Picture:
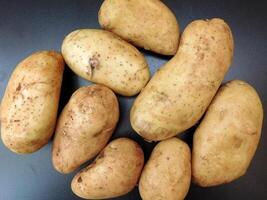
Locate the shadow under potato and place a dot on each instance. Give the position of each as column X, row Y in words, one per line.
column 69, row 85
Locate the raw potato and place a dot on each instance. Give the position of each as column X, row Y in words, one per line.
column 167, row 174
column 179, row 93
column 84, row 127
column 114, row 173
column 149, row 24
column 30, row 103
column 226, row 140
column 102, row 57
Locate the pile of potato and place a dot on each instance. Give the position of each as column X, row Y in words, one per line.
column 172, row 101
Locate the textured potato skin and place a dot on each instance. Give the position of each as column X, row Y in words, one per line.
column 84, row 127
column 226, row 140
column 115, row 171
column 102, row 57
column 179, row 93
column 30, row 103
column 149, row 24
column 167, row 174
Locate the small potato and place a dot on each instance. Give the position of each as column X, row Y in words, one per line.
column 114, row 173
column 84, row 127
column 149, row 24
column 102, row 57
column 167, row 174
column 179, row 93
column 30, row 103
column 227, row 138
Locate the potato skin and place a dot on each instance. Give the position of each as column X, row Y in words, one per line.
column 30, row 103
column 167, row 174
column 226, row 140
column 155, row 28
column 114, row 173
column 102, row 57
column 179, row 93
column 84, row 127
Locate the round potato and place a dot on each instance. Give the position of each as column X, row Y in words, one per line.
column 115, row 171
column 84, row 127
column 102, row 57
column 30, row 103
column 179, row 93
column 226, row 140
column 149, row 24
column 167, row 174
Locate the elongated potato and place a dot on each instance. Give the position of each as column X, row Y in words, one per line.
column 179, row 93
column 84, row 127
column 102, row 57
column 149, row 24
column 226, row 140
column 167, row 174
column 30, row 103
column 115, row 171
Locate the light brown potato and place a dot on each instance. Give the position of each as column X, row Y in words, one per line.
column 114, row 173
column 84, row 127
column 167, row 174
column 102, row 57
column 226, row 140
column 179, row 93
column 30, row 103
column 148, row 24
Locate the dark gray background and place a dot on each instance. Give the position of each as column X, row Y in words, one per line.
column 27, row 26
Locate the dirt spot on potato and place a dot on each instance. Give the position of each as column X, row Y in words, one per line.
column 18, row 88
column 80, row 180
column 101, row 155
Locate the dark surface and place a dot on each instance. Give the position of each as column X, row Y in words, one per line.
column 28, row 26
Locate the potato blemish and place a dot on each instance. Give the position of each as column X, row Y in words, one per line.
column 93, row 64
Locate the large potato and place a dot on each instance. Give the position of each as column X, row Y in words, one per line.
column 115, row 171
column 167, row 174
column 179, row 93
column 149, row 24
column 102, row 57
column 84, row 127
column 30, row 103
column 226, row 140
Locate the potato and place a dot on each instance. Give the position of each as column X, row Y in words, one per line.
column 149, row 24
column 179, row 93
column 115, row 171
column 84, row 127
column 167, row 174
column 30, row 103
column 102, row 57
column 226, row 140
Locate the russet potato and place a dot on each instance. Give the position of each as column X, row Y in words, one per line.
column 114, row 173
column 104, row 58
column 84, row 127
column 179, row 93
column 30, row 103
column 149, row 24
column 227, row 138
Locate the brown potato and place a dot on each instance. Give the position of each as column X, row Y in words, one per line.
column 149, row 24
column 30, row 103
column 226, row 140
column 114, row 173
column 84, row 127
column 167, row 173
column 179, row 93
column 104, row 58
